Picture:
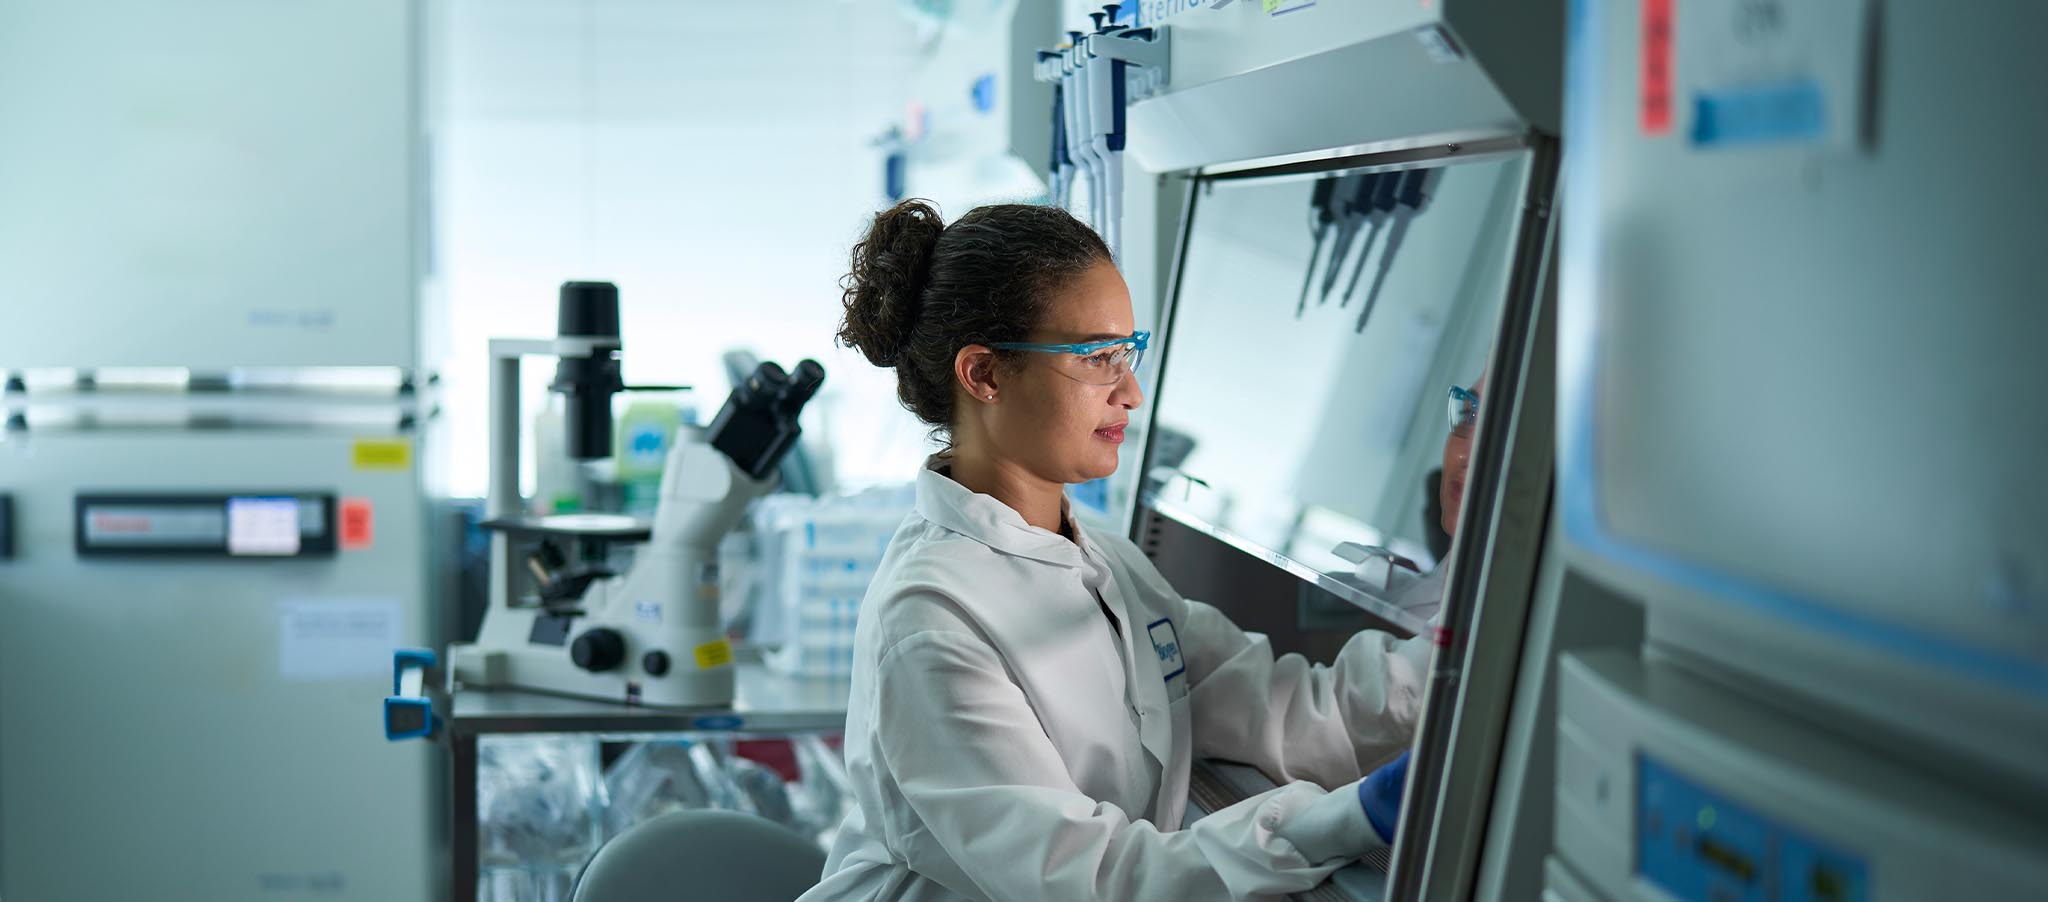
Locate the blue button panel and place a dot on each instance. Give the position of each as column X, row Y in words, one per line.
column 1694, row 844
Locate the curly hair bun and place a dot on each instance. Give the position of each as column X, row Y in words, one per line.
column 912, row 300
column 885, row 291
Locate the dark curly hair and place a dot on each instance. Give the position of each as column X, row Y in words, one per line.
column 921, row 290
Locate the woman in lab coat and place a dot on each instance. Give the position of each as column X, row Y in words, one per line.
column 1028, row 694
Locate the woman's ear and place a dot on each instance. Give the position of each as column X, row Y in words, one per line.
column 974, row 368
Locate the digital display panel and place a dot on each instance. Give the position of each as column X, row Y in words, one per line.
column 239, row 524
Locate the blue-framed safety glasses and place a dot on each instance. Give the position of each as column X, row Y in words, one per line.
column 1463, row 410
column 1103, row 362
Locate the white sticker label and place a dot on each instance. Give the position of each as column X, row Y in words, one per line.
column 1768, row 71
column 268, row 526
column 332, row 639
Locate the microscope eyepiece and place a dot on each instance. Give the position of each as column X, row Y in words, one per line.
column 803, row 385
column 757, row 426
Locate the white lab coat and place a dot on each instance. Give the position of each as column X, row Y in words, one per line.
column 1002, row 746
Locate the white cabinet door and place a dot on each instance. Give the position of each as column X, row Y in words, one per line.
column 207, row 183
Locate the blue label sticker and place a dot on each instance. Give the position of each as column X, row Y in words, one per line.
column 1784, row 112
column 1166, row 643
column 717, row 722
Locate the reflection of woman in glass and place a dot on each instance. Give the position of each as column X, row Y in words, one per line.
column 1421, row 594
column 1464, row 416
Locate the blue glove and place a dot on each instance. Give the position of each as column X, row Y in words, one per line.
column 1380, row 793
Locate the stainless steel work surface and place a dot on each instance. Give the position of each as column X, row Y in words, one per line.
column 765, row 702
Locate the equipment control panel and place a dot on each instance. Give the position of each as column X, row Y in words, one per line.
column 1694, row 844
column 282, row 524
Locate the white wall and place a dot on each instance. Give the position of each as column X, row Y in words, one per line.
column 711, row 159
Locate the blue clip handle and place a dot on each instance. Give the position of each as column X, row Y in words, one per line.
column 404, row 658
column 409, row 718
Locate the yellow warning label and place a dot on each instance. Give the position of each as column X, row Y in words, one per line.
column 714, row 654
column 383, row 454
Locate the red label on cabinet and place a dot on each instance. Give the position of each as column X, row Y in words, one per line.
column 1655, row 105
column 356, row 519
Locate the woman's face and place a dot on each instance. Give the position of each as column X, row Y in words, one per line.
column 1055, row 426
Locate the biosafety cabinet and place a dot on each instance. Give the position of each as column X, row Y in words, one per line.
column 1783, row 638
column 1336, row 218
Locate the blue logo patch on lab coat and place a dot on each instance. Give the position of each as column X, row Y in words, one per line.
column 1167, row 643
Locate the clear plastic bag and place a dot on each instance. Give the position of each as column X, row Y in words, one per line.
column 822, row 795
column 540, row 807
column 658, row 776
column 545, row 804
column 762, row 791
column 652, row 779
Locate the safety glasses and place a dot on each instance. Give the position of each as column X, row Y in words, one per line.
column 1104, row 362
column 1464, row 411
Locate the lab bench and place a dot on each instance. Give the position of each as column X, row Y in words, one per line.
column 765, row 703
